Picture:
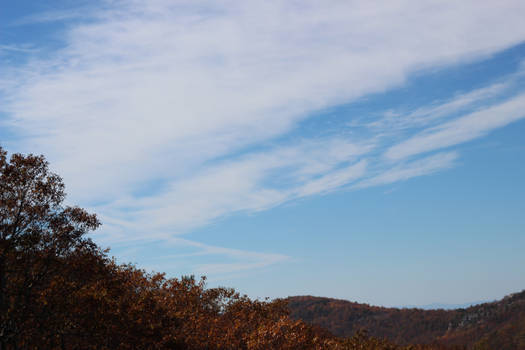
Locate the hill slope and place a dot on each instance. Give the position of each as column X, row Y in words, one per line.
column 496, row 325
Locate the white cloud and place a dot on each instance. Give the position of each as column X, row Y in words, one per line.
column 405, row 171
column 17, row 48
column 334, row 180
column 241, row 260
column 161, row 115
column 251, row 183
column 461, row 129
column 196, row 258
column 55, row 16
column 423, row 116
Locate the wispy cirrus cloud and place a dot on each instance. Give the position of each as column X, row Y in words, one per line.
column 428, row 115
column 199, row 258
column 252, row 182
column 460, row 130
column 55, row 16
column 17, row 48
column 164, row 116
column 236, row 260
column 408, row 170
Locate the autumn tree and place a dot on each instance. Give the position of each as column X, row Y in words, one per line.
column 36, row 230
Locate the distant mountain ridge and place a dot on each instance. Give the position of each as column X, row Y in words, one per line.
column 494, row 325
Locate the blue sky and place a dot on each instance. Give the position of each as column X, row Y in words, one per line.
column 371, row 152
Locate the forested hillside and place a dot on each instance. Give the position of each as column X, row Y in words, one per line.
column 496, row 325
